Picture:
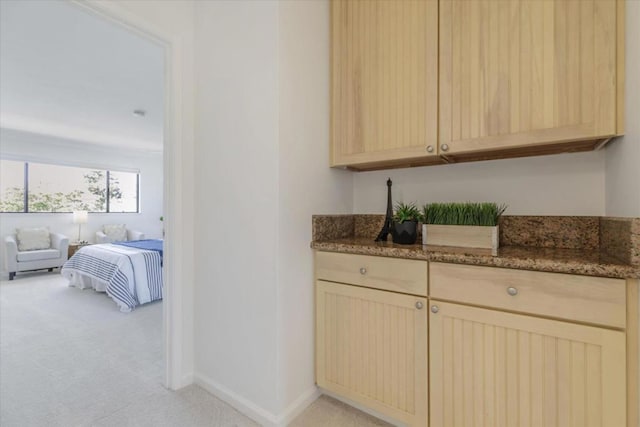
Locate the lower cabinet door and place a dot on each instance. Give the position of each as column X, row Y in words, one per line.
column 371, row 347
column 491, row 368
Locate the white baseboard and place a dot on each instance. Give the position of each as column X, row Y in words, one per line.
column 181, row 383
column 253, row 411
column 186, row 380
column 245, row 406
column 298, row 405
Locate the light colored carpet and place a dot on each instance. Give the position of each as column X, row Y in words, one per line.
column 68, row 357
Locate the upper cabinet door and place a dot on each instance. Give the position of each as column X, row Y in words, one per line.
column 384, row 82
column 516, row 74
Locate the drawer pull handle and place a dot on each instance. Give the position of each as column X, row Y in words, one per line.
column 363, row 270
column 419, row 305
column 435, row 309
column 512, row 291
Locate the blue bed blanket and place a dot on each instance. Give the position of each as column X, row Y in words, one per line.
column 147, row 244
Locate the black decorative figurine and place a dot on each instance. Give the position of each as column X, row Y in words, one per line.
column 388, row 220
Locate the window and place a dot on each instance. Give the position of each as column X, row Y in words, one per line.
column 11, row 186
column 123, row 192
column 55, row 188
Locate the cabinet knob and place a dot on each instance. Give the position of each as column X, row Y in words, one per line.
column 435, row 309
column 512, row 291
column 419, row 305
column 429, row 148
column 444, row 147
column 363, row 270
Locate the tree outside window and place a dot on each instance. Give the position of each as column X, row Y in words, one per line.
column 55, row 188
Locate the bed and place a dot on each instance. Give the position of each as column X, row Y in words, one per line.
column 129, row 272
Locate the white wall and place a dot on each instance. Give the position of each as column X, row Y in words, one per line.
column 236, row 307
column 262, row 161
column 38, row 148
column 623, row 156
column 565, row 184
column 307, row 186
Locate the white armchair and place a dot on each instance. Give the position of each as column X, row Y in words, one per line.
column 53, row 257
column 101, row 237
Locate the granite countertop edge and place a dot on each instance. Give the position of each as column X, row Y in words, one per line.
column 583, row 262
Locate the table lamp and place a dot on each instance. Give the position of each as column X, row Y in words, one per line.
column 80, row 217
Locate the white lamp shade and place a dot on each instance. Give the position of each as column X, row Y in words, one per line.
column 80, row 217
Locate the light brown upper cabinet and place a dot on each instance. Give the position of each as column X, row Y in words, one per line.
column 473, row 80
column 523, row 75
column 384, row 82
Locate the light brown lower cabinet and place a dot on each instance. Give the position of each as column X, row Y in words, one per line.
column 484, row 347
column 492, row 368
column 371, row 347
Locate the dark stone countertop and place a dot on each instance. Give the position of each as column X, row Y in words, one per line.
column 590, row 262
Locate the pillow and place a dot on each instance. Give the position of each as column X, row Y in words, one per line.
column 31, row 239
column 116, row 232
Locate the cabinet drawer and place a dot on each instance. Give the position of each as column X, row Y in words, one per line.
column 391, row 274
column 580, row 298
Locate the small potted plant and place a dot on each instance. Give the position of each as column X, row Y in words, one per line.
column 471, row 225
column 405, row 223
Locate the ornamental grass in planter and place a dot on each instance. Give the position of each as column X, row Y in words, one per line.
column 468, row 225
column 404, row 229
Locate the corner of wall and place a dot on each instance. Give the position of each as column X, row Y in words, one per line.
column 243, row 405
column 298, row 406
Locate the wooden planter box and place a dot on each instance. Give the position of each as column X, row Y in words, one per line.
column 464, row 236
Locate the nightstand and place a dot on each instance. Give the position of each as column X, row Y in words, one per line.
column 73, row 247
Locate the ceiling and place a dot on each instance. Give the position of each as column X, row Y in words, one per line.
column 67, row 73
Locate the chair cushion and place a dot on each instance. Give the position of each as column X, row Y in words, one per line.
column 116, row 232
column 38, row 255
column 30, row 239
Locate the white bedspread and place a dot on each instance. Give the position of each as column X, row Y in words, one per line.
column 130, row 276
